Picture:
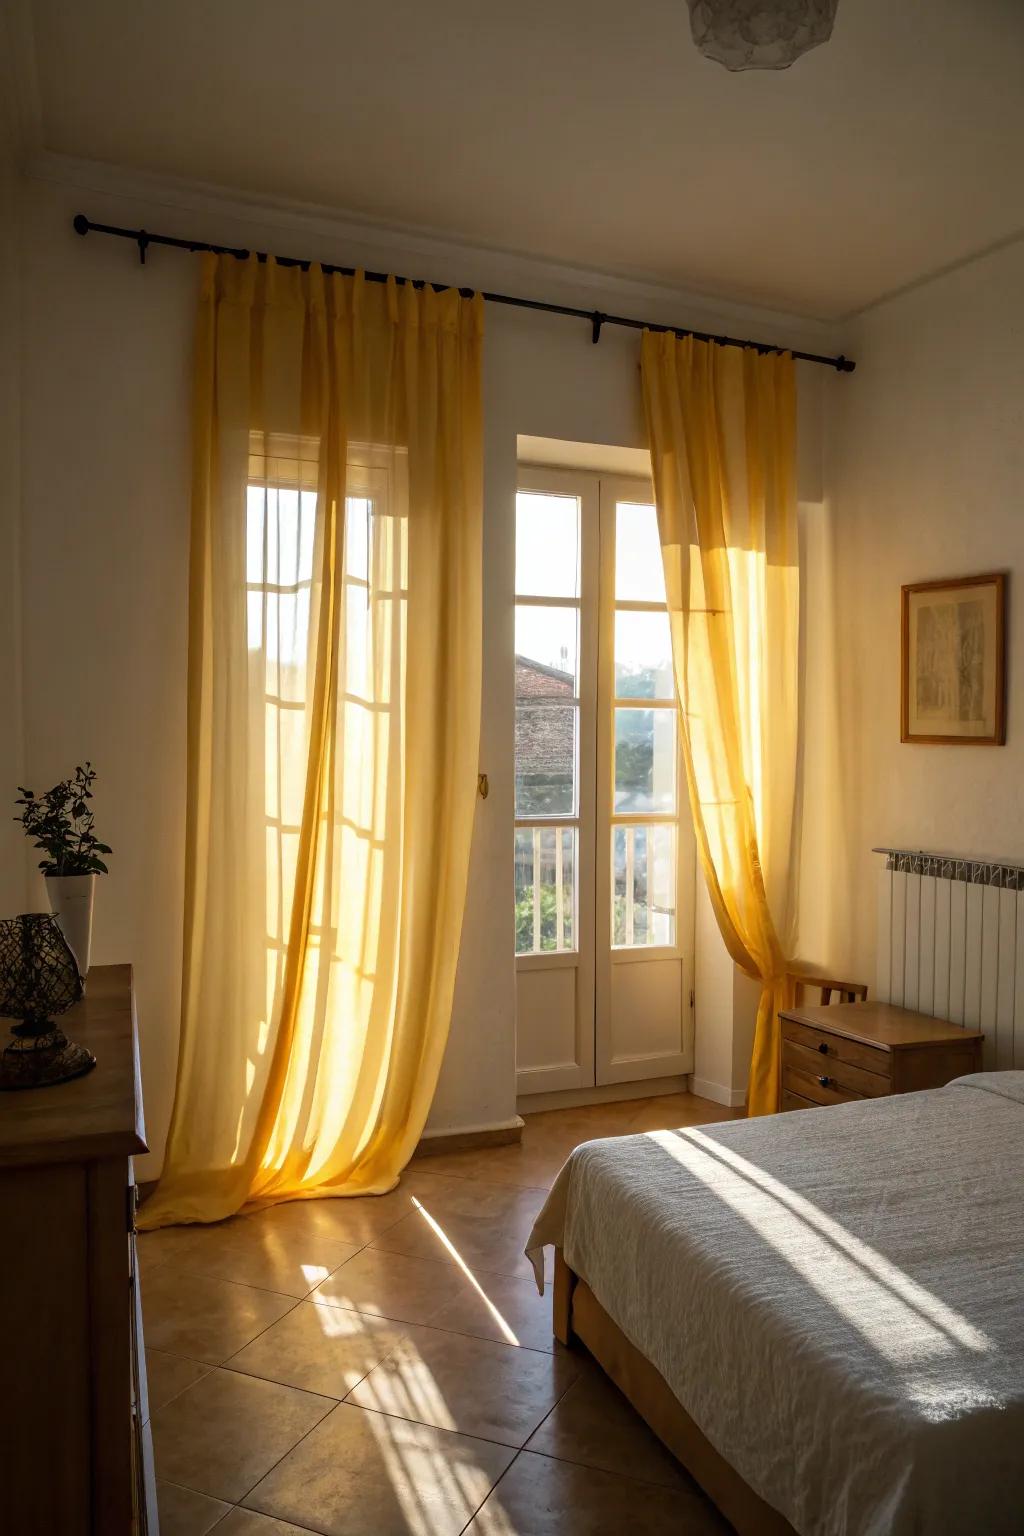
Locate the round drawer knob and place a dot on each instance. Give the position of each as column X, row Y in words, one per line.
column 823, row 1048
column 824, row 1081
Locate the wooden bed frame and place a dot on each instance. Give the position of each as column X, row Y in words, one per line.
column 579, row 1315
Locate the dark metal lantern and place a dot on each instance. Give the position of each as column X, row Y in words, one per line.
column 38, row 977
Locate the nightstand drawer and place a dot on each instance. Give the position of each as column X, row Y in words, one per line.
column 836, row 1048
column 820, row 1089
column 876, row 1084
column 835, row 1053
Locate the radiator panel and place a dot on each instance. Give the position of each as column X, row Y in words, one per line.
column 951, row 944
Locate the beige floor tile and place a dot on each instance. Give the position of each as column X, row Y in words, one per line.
column 186, row 1513
column 365, row 1474
column 392, row 1285
column 341, row 1219
column 677, row 1110
column 518, row 1165
column 319, row 1349
column 167, row 1375
column 225, row 1433
column 270, row 1254
column 246, row 1522
column 205, row 1319
column 594, row 1425
column 445, row 1196
column 491, row 1243
column 539, row 1496
column 508, row 1311
column 452, row 1381
column 168, row 1243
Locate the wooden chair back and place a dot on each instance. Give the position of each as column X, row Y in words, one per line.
column 842, row 991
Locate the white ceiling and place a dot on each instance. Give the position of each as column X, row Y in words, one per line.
column 589, row 131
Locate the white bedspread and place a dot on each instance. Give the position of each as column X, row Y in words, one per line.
column 835, row 1296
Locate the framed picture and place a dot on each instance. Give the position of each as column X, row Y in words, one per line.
column 953, row 661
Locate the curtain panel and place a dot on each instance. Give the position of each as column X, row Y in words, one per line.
column 333, row 730
column 722, row 428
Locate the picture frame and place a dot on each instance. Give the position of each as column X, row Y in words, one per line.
column 953, row 661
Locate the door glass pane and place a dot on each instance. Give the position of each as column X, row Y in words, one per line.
column 645, row 761
column 643, row 886
column 547, row 652
column 643, row 656
column 547, row 545
column 545, row 760
column 545, row 863
column 639, row 574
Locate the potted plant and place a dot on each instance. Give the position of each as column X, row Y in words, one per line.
column 61, row 824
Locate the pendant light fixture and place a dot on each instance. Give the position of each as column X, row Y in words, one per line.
column 760, row 34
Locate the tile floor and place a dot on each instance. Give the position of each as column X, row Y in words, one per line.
column 385, row 1367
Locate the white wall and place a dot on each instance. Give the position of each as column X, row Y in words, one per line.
column 105, row 531
column 926, row 461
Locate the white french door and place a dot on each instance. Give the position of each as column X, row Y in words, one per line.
column 604, row 858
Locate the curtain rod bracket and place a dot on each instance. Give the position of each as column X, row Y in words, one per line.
column 142, row 241
column 596, row 322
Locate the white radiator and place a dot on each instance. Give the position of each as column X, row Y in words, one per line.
column 951, row 944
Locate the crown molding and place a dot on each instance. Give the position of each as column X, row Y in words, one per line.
column 343, row 236
column 20, row 109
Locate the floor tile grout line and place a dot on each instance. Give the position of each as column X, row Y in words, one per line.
column 220, row 1365
column 492, row 1490
column 202, row 1274
column 326, row 1415
column 399, row 1323
column 403, row 1418
column 627, row 1477
column 476, row 1269
column 174, row 1397
column 361, row 1408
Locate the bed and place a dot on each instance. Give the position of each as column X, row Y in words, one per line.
column 822, row 1313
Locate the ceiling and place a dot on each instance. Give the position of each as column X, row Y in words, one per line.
column 589, row 131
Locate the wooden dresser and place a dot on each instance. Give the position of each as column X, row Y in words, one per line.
column 75, row 1455
column 869, row 1050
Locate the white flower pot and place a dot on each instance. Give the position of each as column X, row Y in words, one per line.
column 71, row 904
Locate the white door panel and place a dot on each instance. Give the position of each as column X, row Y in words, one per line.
column 555, row 745
column 604, row 859
column 555, row 1047
column 649, row 1016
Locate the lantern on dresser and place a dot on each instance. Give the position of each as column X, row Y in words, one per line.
column 39, row 977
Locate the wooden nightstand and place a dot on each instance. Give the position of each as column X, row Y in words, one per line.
column 867, row 1051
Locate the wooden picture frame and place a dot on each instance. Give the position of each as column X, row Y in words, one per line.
column 953, row 661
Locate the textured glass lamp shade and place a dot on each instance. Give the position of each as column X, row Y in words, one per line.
column 760, row 34
column 38, row 977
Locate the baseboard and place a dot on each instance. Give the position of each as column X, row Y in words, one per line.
column 608, row 1093
column 505, row 1134
column 718, row 1093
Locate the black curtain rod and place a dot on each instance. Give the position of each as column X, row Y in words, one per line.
column 143, row 239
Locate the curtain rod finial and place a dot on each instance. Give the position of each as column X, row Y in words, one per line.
column 81, row 224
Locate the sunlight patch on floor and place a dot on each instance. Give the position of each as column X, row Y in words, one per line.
column 507, row 1333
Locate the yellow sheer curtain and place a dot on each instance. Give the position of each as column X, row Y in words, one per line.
column 722, row 429
column 333, row 730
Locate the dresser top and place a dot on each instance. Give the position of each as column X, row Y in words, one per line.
column 98, row 1115
column 881, row 1025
